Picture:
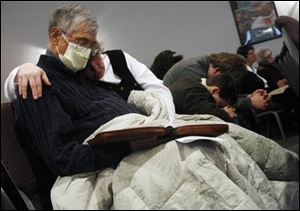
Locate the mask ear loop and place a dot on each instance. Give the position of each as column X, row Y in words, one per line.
column 65, row 40
column 64, row 37
column 74, row 44
column 57, row 50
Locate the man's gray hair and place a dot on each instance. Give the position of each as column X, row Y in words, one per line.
column 260, row 55
column 69, row 16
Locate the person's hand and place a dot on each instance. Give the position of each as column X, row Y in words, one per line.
column 34, row 75
column 163, row 62
column 231, row 111
column 282, row 82
column 96, row 68
column 260, row 99
column 167, row 58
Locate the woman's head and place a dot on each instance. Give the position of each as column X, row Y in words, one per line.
column 264, row 56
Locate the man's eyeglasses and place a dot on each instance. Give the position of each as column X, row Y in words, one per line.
column 95, row 46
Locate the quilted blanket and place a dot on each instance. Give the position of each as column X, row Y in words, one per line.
column 239, row 170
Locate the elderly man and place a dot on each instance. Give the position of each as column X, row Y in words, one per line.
column 272, row 74
column 73, row 106
column 114, row 70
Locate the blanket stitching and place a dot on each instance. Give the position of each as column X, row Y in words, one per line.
column 267, row 158
column 172, row 194
column 222, row 198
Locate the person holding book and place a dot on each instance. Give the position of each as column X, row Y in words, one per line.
column 266, row 76
column 267, row 69
column 215, row 96
column 74, row 106
column 254, row 81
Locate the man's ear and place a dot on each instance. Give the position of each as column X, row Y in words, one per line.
column 217, row 71
column 55, row 35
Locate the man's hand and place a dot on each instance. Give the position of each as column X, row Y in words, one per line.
column 230, row 111
column 32, row 74
column 260, row 99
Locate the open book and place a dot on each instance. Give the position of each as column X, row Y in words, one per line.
column 158, row 131
column 279, row 90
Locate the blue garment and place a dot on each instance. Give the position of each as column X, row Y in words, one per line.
column 69, row 111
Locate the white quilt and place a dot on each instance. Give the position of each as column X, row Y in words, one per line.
column 242, row 170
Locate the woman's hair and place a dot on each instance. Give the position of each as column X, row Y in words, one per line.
column 69, row 16
column 260, row 55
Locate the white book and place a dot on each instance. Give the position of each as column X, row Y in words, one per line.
column 279, row 90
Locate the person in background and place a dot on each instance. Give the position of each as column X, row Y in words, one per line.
column 206, row 66
column 214, row 96
column 252, row 80
column 163, row 62
column 272, row 74
column 251, row 83
column 268, row 70
column 209, row 66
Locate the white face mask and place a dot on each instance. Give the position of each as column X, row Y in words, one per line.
column 75, row 57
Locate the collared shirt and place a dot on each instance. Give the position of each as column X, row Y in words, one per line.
column 203, row 82
column 254, row 70
column 146, row 79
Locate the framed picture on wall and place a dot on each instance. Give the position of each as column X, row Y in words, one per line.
column 255, row 21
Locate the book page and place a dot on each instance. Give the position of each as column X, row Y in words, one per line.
column 279, row 90
column 156, row 128
column 166, row 123
column 189, row 139
column 180, row 123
